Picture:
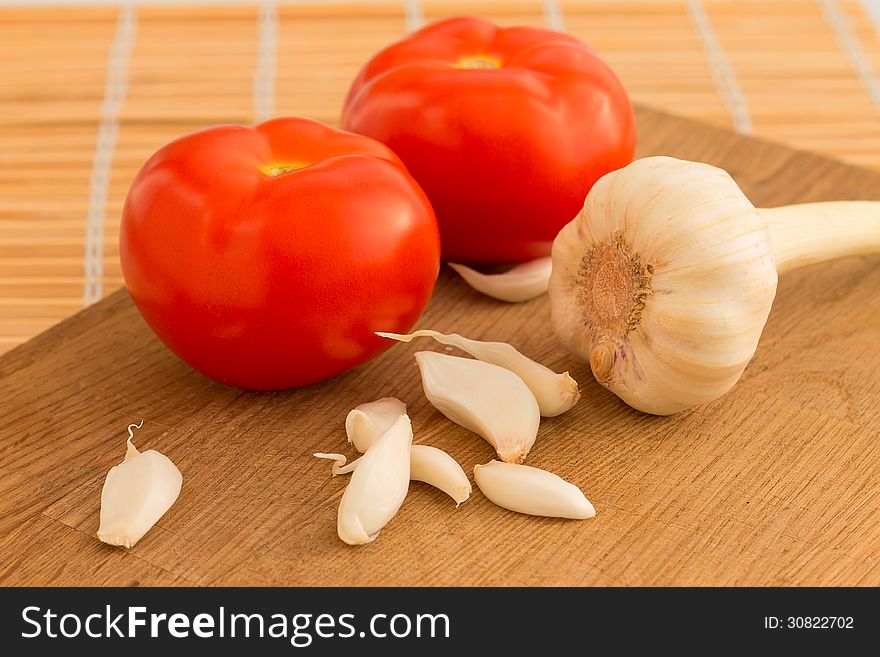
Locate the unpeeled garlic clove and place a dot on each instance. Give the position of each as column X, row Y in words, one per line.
column 484, row 398
column 555, row 393
column 136, row 493
column 536, row 492
column 377, row 487
column 523, row 282
column 428, row 464
column 367, row 422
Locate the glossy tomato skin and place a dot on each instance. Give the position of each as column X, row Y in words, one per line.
column 506, row 153
column 264, row 278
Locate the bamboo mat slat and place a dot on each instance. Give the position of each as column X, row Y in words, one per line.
column 800, row 71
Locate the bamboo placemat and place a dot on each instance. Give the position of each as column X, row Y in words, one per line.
column 89, row 92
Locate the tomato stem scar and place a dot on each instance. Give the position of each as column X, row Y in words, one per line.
column 279, row 169
column 478, row 61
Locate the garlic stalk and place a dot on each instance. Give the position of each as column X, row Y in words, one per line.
column 521, row 283
column 536, row 492
column 489, row 400
column 664, row 281
column 136, row 493
column 427, row 464
column 377, row 487
column 555, row 393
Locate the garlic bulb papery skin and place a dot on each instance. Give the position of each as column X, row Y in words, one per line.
column 136, row 493
column 521, row 283
column 377, row 487
column 428, row 464
column 367, row 422
column 555, row 393
column 491, row 401
column 536, row 492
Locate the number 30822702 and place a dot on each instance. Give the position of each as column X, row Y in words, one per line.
column 809, row 622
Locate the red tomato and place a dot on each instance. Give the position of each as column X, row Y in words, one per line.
column 266, row 257
column 506, row 130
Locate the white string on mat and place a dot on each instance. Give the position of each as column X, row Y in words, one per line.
column 553, row 16
column 722, row 72
column 267, row 62
column 115, row 90
column 846, row 37
column 414, row 14
column 872, row 9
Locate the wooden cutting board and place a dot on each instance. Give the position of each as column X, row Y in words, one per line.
column 776, row 484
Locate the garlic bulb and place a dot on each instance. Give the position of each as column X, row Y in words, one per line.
column 555, row 393
column 664, row 281
column 484, row 398
column 521, row 283
column 536, row 492
column 136, row 493
column 377, row 487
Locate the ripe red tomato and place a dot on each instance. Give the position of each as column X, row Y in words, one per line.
column 506, row 130
column 266, row 257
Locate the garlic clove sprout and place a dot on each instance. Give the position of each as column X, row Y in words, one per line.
column 339, row 466
column 489, row 400
column 438, row 469
column 536, row 492
column 377, row 487
column 555, row 393
column 521, row 283
column 367, row 422
column 136, row 493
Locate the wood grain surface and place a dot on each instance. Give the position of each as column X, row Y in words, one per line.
column 776, row 484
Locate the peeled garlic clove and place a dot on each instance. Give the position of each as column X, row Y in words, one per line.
column 484, row 398
column 428, row 464
column 368, row 421
column 555, row 393
column 523, row 282
column 437, row 468
column 377, row 487
column 136, row 493
column 536, row 492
